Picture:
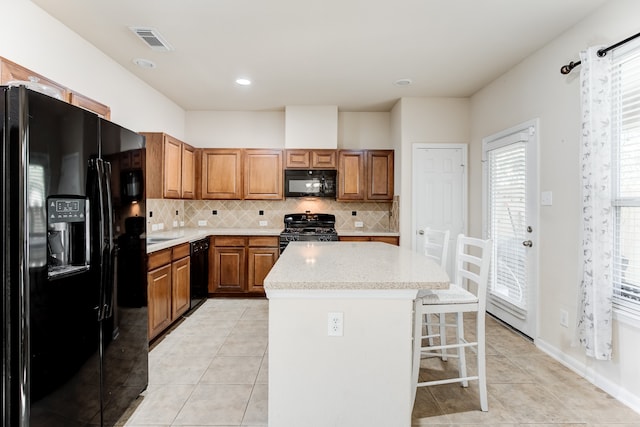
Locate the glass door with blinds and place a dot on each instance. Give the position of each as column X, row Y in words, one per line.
column 626, row 178
column 510, row 220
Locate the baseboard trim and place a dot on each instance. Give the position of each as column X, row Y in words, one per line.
column 615, row 390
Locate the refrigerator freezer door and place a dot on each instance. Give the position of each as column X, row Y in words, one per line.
column 54, row 323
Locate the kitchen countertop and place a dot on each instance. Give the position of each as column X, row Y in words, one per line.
column 185, row 235
column 353, row 266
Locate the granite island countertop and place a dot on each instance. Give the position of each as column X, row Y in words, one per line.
column 353, row 266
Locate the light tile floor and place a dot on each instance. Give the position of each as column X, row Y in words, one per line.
column 212, row 370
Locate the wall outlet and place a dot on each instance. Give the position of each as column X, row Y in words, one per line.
column 564, row 318
column 335, row 323
column 154, row 227
column 202, row 223
column 263, row 223
column 359, row 224
column 161, row 226
column 181, row 223
column 175, row 223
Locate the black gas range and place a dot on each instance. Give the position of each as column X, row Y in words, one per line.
column 308, row 227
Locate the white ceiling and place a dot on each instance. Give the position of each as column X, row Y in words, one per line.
column 320, row 52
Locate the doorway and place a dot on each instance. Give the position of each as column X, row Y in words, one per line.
column 510, row 219
column 439, row 193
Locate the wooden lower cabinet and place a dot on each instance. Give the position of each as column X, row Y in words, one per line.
column 159, row 299
column 180, row 287
column 239, row 264
column 392, row 240
column 261, row 261
column 168, row 287
column 228, row 269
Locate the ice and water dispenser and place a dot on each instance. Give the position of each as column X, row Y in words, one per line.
column 67, row 235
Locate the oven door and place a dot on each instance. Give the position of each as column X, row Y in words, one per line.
column 310, row 183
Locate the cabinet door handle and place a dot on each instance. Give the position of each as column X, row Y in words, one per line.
column 527, row 243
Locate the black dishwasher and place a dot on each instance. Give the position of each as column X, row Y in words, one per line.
column 199, row 271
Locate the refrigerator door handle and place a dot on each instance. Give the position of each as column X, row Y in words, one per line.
column 109, row 284
column 103, row 240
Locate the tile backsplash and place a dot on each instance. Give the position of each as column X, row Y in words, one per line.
column 375, row 216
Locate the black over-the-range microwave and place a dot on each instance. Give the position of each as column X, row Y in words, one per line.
column 310, row 183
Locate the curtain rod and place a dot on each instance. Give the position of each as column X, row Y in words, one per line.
column 566, row 69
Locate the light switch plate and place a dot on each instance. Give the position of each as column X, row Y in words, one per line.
column 202, row 223
column 359, row 224
column 263, row 223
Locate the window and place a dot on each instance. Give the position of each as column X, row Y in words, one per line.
column 626, row 178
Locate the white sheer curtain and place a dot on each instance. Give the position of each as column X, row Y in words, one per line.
column 596, row 286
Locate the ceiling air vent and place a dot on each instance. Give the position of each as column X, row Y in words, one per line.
column 152, row 38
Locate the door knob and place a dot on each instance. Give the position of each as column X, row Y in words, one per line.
column 527, row 243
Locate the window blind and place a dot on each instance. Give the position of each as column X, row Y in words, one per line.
column 626, row 178
column 507, row 225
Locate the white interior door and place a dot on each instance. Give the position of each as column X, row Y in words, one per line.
column 439, row 192
column 510, row 220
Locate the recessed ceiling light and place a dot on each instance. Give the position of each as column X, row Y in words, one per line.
column 403, row 82
column 243, row 82
column 144, row 63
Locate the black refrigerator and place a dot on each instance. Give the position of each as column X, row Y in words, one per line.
column 75, row 348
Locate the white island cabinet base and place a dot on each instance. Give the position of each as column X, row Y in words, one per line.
column 362, row 378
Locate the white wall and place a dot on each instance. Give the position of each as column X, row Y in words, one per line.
column 436, row 120
column 266, row 129
column 32, row 38
column 535, row 88
column 239, row 129
column 364, row 131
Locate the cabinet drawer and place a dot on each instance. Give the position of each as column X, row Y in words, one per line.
column 229, row 241
column 181, row 251
column 159, row 258
column 264, row 241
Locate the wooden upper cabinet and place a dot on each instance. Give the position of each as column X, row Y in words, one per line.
column 379, row 174
column 365, row 175
column 323, row 159
column 172, row 168
column 90, row 104
column 12, row 72
column 263, row 175
column 221, row 174
column 170, row 171
column 297, row 159
column 188, row 172
column 351, row 175
column 310, row 159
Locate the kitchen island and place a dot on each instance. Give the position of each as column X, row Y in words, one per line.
column 340, row 333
